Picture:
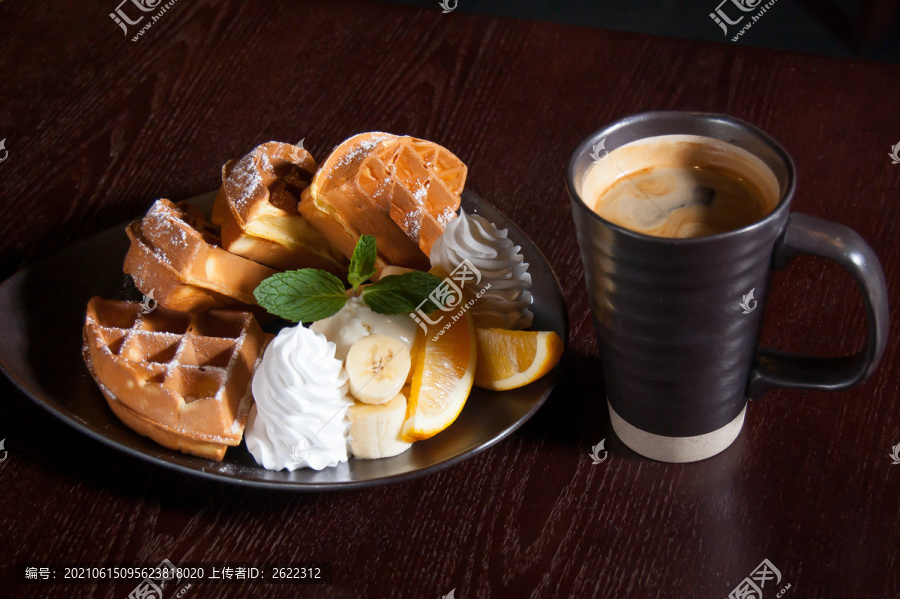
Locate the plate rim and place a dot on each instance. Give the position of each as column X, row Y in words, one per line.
column 225, row 478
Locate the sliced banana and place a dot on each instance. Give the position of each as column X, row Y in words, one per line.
column 377, row 366
column 375, row 430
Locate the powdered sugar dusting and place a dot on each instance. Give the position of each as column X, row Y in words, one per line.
column 362, row 148
column 158, row 217
column 245, row 180
column 446, row 215
column 165, row 221
column 412, row 223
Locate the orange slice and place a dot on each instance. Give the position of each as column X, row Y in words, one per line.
column 443, row 373
column 512, row 359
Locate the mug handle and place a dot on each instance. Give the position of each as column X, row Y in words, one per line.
column 773, row 368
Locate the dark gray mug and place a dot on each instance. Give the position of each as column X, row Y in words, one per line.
column 678, row 337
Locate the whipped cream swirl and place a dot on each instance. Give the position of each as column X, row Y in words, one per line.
column 300, row 414
column 506, row 303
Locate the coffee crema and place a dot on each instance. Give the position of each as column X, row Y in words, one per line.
column 680, row 186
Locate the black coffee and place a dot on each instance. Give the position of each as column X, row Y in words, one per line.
column 678, row 186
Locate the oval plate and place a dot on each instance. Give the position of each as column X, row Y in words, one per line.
column 42, row 311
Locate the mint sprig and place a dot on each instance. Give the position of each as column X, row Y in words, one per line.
column 395, row 294
column 362, row 264
column 310, row 294
column 304, row 295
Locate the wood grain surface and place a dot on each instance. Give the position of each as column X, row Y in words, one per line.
column 97, row 126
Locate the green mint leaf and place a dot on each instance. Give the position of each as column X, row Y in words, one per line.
column 304, row 295
column 396, row 294
column 362, row 264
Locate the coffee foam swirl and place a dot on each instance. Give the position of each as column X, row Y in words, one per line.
column 680, row 186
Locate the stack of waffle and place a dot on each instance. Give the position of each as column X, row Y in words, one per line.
column 257, row 210
column 180, row 373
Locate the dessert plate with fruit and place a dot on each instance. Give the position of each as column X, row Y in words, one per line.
column 310, row 326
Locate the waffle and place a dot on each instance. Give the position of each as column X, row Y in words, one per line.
column 256, row 209
column 175, row 253
column 428, row 181
column 401, row 190
column 183, row 380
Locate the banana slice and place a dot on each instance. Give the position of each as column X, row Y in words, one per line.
column 377, row 366
column 375, row 430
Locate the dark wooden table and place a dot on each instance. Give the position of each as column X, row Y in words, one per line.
column 97, row 126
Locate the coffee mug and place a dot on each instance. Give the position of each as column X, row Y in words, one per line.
column 678, row 319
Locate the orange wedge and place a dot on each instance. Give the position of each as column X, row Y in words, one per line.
column 512, row 359
column 443, row 373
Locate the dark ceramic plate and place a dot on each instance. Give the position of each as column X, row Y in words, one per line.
column 42, row 311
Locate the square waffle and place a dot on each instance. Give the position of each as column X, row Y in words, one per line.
column 181, row 379
column 402, row 190
column 176, row 253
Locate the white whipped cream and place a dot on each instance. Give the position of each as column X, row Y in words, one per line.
column 299, row 418
column 357, row 320
column 506, row 303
